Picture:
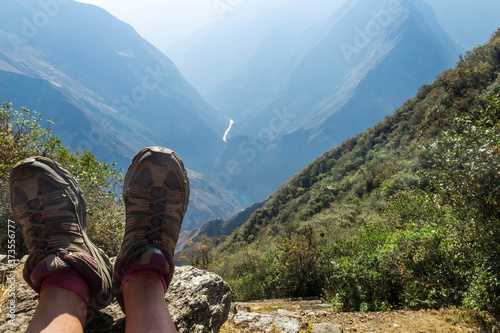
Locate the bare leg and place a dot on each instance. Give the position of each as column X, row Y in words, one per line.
column 145, row 307
column 59, row 311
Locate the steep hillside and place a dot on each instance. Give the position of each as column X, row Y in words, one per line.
column 110, row 73
column 345, row 76
column 215, row 228
column 208, row 199
column 403, row 215
column 107, row 90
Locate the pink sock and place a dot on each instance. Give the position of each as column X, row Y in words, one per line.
column 139, row 270
column 70, row 280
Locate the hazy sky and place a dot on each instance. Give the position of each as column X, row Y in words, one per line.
column 172, row 19
column 162, row 22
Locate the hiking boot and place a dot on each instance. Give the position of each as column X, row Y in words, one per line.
column 49, row 207
column 156, row 195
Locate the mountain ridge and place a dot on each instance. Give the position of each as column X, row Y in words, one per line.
column 148, row 81
column 320, row 92
column 108, row 90
column 388, row 218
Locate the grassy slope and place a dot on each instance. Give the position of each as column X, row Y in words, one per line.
column 341, row 195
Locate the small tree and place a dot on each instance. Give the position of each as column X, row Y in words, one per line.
column 197, row 252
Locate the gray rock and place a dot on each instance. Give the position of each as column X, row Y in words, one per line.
column 252, row 319
column 287, row 325
column 283, row 312
column 23, row 304
column 198, row 301
column 327, row 328
column 266, row 323
column 324, row 305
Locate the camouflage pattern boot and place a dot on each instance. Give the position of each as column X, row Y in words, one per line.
column 156, row 195
column 49, row 207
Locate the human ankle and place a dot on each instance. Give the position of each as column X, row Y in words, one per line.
column 145, row 276
column 69, row 280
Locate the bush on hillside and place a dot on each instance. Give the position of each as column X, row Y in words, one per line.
column 465, row 169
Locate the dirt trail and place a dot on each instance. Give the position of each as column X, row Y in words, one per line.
column 424, row 321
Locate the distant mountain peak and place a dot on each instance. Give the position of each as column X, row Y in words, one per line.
column 335, row 79
column 107, row 89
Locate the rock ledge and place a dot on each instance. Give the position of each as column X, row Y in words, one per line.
column 199, row 302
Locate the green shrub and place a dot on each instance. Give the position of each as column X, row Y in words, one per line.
column 22, row 136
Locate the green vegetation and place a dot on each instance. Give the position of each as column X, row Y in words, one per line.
column 22, row 136
column 404, row 215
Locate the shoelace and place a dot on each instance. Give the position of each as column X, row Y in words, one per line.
column 40, row 247
column 157, row 206
column 37, row 229
column 37, row 221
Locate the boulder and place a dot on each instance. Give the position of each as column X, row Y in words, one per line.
column 199, row 302
column 247, row 318
column 286, row 324
column 266, row 323
column 327, row 328
column 259, row 321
